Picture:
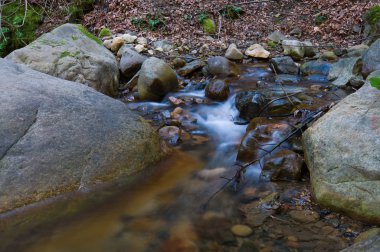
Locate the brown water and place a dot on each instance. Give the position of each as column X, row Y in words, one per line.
column 167, row 211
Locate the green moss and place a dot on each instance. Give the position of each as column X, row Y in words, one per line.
column 64, row 54
column 272, row 44
column 104, row 32
column 373, row 15
column 17, row 31
column 68, row 54
column 74, row 38
column 209, row 26
column 88, row 34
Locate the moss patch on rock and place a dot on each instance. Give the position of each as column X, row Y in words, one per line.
column 373, row 15
column 89, row 34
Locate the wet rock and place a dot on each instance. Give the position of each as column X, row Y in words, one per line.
column 170, row 134
column 216, row 229
column 209, row 174
column 191, row 67
column 250, row 103
column 82, row 60
column 233, row 53
column 294, row 49
column 339, row 151
column 59, row 136
column 287, row 78
column 368, row 235
column 343, row 71
column 241, row 230
column 178, row 62
column 371, row 59
column 257, row 51
column 284, row 65
column 285, row 165
column 316, row 67
column 130, row 63
column 217, row 89
column 370, row 245
column 177, row 244
column 222, row 67
column 329, row 55
column 261, row 133
column 281, row 106
column 276, row 36
column 304, row 216
column 248, row 247
column 156, row 79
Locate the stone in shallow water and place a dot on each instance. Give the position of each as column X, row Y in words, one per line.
column 285, row 165
column 250, row 103
column 217, row 90
column 304, row 216
column 241, row 230
column 222, row 67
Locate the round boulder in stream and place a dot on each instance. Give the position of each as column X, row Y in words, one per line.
column 222, row 67
column 285, row 165
column 250, row 104
column 156, row 80
column 217, row 90
column 59, row 136
column 262, row 134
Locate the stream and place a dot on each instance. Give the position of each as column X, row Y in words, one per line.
column 175, row 208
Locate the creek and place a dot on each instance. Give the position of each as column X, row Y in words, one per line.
column 175, row 208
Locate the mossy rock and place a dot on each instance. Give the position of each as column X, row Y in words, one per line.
column 88, row 34
column 209, row 26
column 372, row 24
column 105, row 32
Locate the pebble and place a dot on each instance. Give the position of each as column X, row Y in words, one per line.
column 140, row 48
column 241, row 230
column 304, row 216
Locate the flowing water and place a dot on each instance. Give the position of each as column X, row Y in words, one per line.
column 174, row 208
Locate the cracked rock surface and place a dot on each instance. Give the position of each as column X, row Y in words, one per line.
column 58, row 136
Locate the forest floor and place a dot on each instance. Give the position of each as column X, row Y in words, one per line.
column 337, row 23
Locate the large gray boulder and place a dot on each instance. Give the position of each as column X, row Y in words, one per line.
column 58, row 136
column 70, row 52
column 156, row 79
column 343, row 157
column 371, row 59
